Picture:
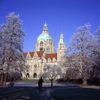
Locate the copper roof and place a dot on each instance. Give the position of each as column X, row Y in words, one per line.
column 25, row 54
column 51, row 56
column 40, row 53
column 32, row 54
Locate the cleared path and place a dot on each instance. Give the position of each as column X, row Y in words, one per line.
column 44, row 84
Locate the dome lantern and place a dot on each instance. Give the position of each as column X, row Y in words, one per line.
column 45, row 23
column 45, row 34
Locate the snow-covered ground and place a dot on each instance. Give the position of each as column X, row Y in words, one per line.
column 44, row 84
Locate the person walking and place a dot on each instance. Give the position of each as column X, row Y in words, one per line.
column 40, row 81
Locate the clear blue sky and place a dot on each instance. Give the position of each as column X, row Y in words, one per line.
column 60, row 15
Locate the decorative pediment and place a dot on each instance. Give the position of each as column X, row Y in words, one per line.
column 35, row 55
column 28, row 56
column 49, row 60
column 54, row 60
column 44, row 60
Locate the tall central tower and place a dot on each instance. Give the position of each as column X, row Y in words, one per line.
column 45, row 42
column 61, row 48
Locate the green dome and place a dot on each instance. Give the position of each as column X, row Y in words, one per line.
column 44, row 36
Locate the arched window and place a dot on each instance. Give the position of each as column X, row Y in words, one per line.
column 34, row 75
column 49, row 60
column 35, row 67
column 60, row 46
column 41, row 49
column 20, row 74
column 27, row 75
column 54, row 59
column 28, row 68
column 41, row 43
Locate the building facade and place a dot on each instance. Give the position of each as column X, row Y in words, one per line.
column 44, row 52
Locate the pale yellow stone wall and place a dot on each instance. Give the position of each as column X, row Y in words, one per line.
column 48, row 47
column 60, row 51
column 31, row 62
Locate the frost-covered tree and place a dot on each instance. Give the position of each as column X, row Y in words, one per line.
column 97, row 42
column 11, row 44
column 79, row 52
column 52, row 72
column 96, row 54
column 72, row 73
column 97, row 33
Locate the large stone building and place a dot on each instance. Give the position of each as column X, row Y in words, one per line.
column 44, row 52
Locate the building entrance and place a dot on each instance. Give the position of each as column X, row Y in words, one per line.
column 35, row 75
column 27, row 75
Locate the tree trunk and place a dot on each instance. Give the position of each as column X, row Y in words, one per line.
column 74, row 80
column 51, row 83
column 1, row 81
column 4, row 83
column 84, row 82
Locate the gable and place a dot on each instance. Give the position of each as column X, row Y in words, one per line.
column 28, row 55
column 35, row 56
column 49, row 60
column 54, row 59
column 44, row 60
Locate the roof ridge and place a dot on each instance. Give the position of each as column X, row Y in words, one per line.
column 51, row 53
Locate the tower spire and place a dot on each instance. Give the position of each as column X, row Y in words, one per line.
column 61, row 48
column 61, row 30
column 45, row 29
column 61, row 36
column 45, row 23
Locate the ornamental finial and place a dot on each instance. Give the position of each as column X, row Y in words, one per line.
column 45, row 23
column 61, row 31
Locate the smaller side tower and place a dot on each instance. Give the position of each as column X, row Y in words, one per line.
column 61, row 48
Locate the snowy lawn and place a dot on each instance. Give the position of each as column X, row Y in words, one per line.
column 76, row 94
column 35, row 81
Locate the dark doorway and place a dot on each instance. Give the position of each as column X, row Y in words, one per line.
column 20, row 74
column 35, row 75
column 27, row 75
